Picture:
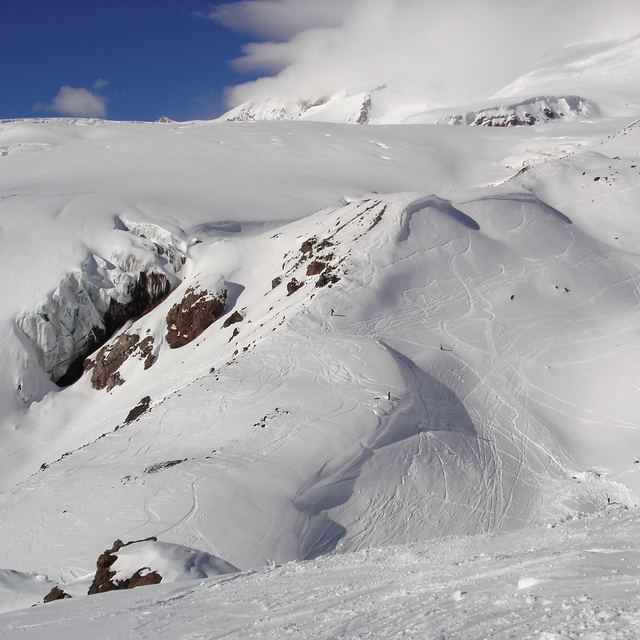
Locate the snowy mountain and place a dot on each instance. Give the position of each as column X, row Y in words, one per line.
column 577, row 82
column 268, row 342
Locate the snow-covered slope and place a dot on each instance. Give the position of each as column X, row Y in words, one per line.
column 327, row 338
column 606, row 72
column 441, row 360
column 574, row 580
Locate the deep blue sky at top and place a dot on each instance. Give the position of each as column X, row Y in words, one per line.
column 156, row 56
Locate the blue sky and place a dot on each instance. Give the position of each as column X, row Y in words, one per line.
column 141, row 59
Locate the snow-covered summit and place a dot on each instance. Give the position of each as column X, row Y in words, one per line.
column 344, row 107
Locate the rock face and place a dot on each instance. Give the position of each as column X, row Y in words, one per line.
column 196, row 311
column 105, row 366
column 103, row 580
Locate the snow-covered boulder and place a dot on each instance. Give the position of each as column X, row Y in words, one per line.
column 145, row 562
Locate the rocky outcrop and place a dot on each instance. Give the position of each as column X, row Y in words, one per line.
column 236, row 316
column 525, row 113
column 105, row 367
column 316, row 267
column 141, row 408
column 363, row 116
column 196, row 311
column 293, row 285
column 104, row 578
column 56, row 594
column 270, row 109
column 92, row 303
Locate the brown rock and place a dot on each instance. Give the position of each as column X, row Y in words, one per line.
column 315, row 268
column 188, row 318
column 137, row 580
column 307, row 245
column 56, row 594
column 236, row 316
column 103, row 580
column 293, row 285
column 138, row 410
column 109, row 359
column 275, row 282
column 145, row 347
column 327, row 279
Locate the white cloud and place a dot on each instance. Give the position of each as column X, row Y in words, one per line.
column 450, row 51
column 280, row 19
column 71, row 101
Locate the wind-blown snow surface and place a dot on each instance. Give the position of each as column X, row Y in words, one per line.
column 469, row 366
column 575, row 580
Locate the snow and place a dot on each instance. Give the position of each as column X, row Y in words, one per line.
column 575, row 579
column 425, row 423
column 20, row 590
column 173, row 562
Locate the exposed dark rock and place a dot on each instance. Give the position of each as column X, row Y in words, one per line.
column 307, row 246
column 56, row 594
column 507, row 120
column 145, row 347
column 109, row 359
column 188, row 318
column 236, row 316
column 293, row 285
column 326, row 279
column 154, row 468
column 138, row 580
column 147, row 292
column 275, row 282
column 378, row 218
column 138, row 410
column 316, row 267
column 103, row 580
column 363, row 117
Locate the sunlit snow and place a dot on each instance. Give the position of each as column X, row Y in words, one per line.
column 416, row 417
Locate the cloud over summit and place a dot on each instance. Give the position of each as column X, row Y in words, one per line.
column 448, row 52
